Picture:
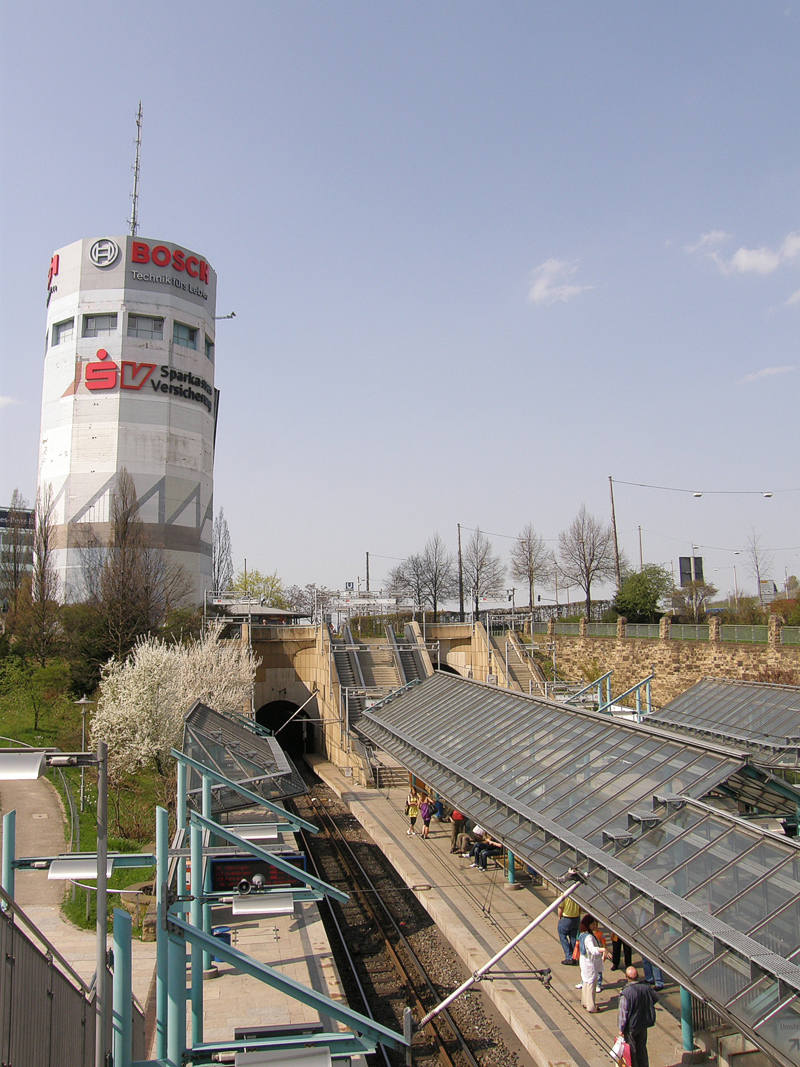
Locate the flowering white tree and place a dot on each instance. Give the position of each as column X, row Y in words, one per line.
column 144, row 698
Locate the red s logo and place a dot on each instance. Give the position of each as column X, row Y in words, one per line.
column 101, row 375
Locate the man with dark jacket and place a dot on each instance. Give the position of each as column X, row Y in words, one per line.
column 637, row 1012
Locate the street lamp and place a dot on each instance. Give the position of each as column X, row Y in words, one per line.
column 31, row 763
column 84, row 703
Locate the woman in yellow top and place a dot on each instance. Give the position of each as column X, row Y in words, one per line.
column 412, row 809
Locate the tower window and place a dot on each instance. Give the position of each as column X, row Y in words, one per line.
column 146, row 327
column 99, row 325
column 209, row 349
column 184, row 335
column 62, row 331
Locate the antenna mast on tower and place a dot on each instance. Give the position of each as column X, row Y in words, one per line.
column 134, row 219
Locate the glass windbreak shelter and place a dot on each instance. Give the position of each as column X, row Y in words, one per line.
column 242, row 751
column 763, row 717
column 711, row 898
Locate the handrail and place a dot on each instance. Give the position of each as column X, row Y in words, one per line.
column 9, row 904
column 597, row 682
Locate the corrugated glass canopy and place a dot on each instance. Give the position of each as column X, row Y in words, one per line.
column 763, row 717
column 242, row 751
column 712, row 899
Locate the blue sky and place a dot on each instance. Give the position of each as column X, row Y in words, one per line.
column 482, row 256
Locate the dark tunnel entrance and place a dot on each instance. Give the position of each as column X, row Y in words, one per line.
column 294, row 739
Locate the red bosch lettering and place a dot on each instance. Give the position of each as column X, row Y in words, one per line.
column 161, row 256
column 53, row 270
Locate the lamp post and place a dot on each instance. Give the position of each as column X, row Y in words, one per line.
column 31, row 763
column 84, row 703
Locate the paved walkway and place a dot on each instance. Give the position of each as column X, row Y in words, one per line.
column 478, row 915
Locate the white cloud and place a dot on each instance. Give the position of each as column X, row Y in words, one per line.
column 7, row 402
column 791, row 245
column 758, row 260
column 548, row 285
column 767, row 372
column 794, row 298
column 708, row 240
column 746, row 260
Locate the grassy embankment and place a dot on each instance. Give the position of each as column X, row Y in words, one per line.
column 131, row 801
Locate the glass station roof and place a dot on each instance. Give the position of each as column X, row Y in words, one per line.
column 754, row 714
column 711, row 898
column 242, row 751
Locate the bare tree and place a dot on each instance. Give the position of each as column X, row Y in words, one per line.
column 691, row 600
column 531, row 560
column 586, row 553
column 407, row 579
column 483, row 568
column 221, row 555
column 43, row 630
column 439, row 574
column 132, row 586
column 310, row 600
column 758, row 561
column 16, row 556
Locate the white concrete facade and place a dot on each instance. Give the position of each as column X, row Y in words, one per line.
column 129, row 383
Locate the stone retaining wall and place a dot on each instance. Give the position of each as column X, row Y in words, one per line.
column 677, row 664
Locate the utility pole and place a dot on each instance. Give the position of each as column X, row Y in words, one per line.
column 641, row 560
column 135, row 194
column 367, row 571
column 460, row 578
column 614, row 528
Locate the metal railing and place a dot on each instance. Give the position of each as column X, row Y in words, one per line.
column 790, row 635
column 568, row 628
column 683, row 631
column 650, row 630
column 601, row 629
column 750, row 635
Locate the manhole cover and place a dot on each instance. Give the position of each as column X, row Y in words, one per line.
column 40, row 815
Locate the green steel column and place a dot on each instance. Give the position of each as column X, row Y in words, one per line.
column 162, row 866
column 176, row 999
column 180, row 818
column 206, row 812
column 197, row 921
column 512, row 869
column 9, row 851
column 122, row 1018
column 687, row 1027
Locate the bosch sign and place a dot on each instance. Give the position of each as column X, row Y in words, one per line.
column 159, row 255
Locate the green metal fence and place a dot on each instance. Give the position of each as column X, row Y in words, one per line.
column 642, row 629
column 790, row 635
column 568, row 627
column 689, row 631
column 745, row 634
column 601, row 629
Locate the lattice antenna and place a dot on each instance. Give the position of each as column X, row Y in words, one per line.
column 134, row 219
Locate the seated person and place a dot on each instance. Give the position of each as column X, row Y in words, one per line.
column 469, row 840
column 483, row 850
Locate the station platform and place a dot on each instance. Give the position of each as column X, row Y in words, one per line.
column 478, row 914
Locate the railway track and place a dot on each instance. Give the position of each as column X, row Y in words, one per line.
column 387, row 948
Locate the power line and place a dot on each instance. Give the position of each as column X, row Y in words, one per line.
column 709, row 492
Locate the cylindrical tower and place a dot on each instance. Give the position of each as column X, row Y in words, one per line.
column 129, row 383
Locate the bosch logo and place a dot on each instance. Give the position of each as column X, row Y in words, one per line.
column 104, row 252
